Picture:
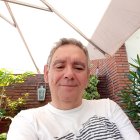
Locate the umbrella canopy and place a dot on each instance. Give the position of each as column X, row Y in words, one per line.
column 119, row 22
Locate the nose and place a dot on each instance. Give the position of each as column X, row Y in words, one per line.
column 69, row 73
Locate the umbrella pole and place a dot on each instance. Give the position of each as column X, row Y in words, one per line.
column 16, row 25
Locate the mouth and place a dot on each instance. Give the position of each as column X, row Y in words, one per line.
column 68, row 85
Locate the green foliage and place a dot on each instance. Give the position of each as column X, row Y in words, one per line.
column 3, row 136
column 130, row 96
column 14, row 106
column 7, row 78
column 91, row 92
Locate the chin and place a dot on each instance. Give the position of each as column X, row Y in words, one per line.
column 67, row 99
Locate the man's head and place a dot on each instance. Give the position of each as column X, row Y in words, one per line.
column 65, row 41
column 67, row 73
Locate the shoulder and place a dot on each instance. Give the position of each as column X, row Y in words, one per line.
column 102, row 107
column 102, row 102
column 30, row 114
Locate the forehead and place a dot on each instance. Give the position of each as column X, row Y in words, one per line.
column 69, row 52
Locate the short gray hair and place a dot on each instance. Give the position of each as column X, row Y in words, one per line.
column 67, row 41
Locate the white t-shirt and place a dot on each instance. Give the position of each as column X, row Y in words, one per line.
column 94, row 120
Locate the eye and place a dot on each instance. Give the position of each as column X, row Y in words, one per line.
column 79, row 68
column 59, row 66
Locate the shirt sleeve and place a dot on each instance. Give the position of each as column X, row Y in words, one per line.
column 21, row 128
column 123, row 123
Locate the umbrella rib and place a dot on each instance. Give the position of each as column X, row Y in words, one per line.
column 7, row 20
column 21, row 35
column 27, row 4
column 73, row 26
column 62, row 17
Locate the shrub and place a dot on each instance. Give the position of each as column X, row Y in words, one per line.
column 130, row 96
column 3, row 136
column 8, row 106
column 91, row 91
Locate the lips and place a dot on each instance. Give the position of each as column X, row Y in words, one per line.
column 67, row 85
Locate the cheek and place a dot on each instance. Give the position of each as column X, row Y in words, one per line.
column 53, row 78
column 84, row 80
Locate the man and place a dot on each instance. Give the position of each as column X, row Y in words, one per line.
column 68, row 116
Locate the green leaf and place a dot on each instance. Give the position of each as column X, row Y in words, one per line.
column 130, row 96
column 91, row 90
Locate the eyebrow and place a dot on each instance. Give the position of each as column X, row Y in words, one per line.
column 75, row 62
column 58, row 61
column 79, row 63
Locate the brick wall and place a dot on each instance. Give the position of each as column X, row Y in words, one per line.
column 30, row 86
column 114, row 70
column 102, row 87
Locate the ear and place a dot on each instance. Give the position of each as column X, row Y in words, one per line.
column 46, row 73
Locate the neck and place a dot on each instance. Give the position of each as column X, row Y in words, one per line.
column 66, row 105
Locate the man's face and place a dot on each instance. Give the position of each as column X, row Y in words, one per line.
column 68, row 74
